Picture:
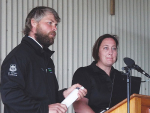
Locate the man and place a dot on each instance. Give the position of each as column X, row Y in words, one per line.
column 28, row 78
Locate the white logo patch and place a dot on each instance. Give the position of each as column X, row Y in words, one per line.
column 12, row 70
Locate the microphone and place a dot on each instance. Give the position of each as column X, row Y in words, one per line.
column 131, row 64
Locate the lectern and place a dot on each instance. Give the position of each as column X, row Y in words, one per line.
column 138, row 104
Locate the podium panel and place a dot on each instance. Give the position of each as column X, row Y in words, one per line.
column 138, row 104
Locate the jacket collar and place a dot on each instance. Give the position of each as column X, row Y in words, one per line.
column 102, row 72
column 30, row 42
column 97, row 69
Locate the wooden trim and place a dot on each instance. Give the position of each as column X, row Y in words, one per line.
column 138, row 104
column 112, row 7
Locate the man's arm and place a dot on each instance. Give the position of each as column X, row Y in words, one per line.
column 13, row 86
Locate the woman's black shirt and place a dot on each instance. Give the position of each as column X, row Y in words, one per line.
column 98, row 84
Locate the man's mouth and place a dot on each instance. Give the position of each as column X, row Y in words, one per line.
column 53, row 33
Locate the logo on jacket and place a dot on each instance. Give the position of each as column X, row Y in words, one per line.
column 12, row 70
column 50, row 70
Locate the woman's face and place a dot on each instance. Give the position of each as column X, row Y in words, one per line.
column 107, row 52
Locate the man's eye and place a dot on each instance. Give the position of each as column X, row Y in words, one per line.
column 50, row 23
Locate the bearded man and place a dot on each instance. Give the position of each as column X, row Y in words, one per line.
column 29, row 84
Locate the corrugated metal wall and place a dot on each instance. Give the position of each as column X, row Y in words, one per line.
column 82, row 22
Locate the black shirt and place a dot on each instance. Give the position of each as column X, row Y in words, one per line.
column 98, row 85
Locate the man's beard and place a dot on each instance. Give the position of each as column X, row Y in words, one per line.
column 44, row 39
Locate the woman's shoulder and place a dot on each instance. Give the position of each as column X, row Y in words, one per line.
column 117, row 71
column 82, row 77
column 83, row 69
column 87, row 70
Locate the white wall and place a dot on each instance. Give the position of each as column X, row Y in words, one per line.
column 82, row 22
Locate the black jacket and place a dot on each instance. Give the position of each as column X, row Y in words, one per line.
column 28, row 79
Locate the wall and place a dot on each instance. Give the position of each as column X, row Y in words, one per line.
column 82, row 22
column 0, row 30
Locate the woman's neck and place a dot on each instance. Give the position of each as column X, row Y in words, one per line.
column 107, row 69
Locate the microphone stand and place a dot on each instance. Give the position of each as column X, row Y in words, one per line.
column 128, row 73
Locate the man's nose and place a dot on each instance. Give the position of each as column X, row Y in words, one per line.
column 54, row 28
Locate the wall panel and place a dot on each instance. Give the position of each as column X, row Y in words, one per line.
column 82, row 22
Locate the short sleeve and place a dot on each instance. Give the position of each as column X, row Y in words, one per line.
column 82, row 77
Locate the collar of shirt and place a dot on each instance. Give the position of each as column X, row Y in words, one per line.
column 36, row 46
column 97, row 69
column 36, row 41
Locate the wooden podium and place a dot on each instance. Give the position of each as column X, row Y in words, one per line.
column 138, row 104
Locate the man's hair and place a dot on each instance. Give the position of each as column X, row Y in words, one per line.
column 98, row 43
column 38, row 13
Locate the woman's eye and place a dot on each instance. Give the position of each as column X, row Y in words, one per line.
column 114, row 48
column 105, row 48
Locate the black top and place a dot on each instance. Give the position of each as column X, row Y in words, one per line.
column 28, row 81
column 99, row 85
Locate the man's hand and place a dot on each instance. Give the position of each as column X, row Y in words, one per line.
column 81, row 93
column 57, row 108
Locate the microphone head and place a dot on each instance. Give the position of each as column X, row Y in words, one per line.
column 129, row 62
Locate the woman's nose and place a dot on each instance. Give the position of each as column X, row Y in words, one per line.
column 110, row 51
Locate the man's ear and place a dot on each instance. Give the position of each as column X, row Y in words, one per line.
column 33, row 23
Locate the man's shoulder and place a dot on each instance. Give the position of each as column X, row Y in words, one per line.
column 20, row 51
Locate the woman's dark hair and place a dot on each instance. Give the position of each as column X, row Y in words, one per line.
column 98, row 43
column 38, row 13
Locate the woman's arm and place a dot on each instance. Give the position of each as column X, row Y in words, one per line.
column 81, row 106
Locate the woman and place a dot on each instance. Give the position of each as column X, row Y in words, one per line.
column 98, row 77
